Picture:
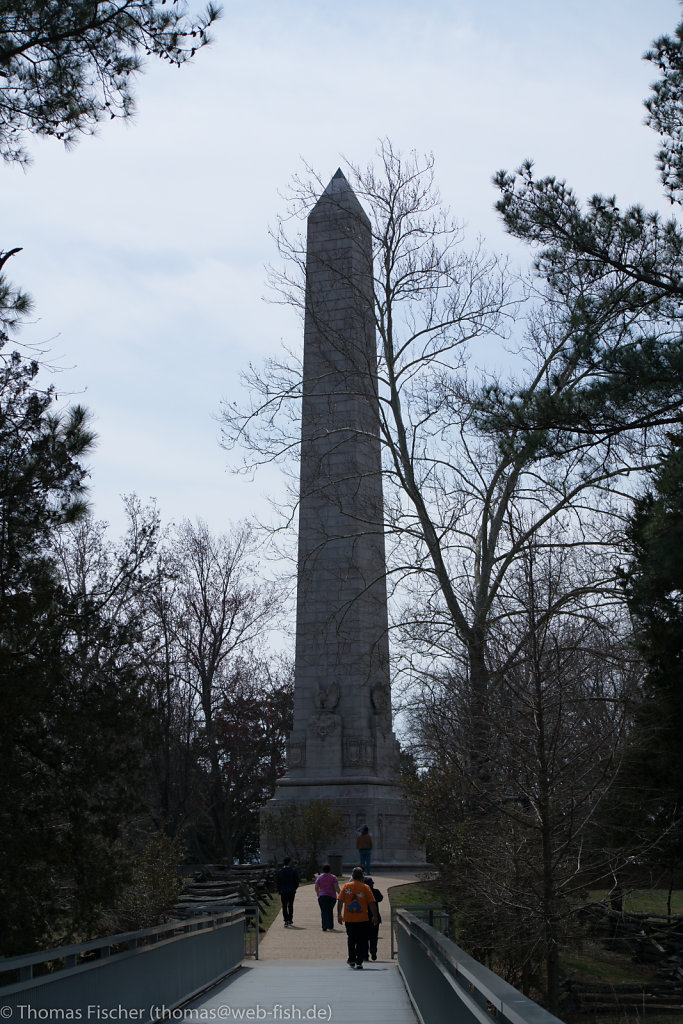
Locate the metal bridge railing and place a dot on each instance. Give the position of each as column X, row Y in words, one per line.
column 445, row 984
column 137, row 976
column 436, row 916
column 251, row 930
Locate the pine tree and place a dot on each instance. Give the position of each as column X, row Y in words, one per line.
column 70, row 719
column 66, row 67
column 654, row 584
column 615, row 278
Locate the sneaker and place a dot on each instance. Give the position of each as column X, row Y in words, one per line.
column 351, row 963
column 359, row 967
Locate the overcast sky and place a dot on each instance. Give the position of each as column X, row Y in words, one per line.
column 144, row 248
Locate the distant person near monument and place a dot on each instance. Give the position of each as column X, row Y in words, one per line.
column 327, row 890
column 287, row 884
column 364, row 847
column 356, row 908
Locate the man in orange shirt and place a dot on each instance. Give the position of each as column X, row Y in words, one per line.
column 353, row 903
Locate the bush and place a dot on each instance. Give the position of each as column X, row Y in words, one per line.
column 304, row 831
column 153, row 889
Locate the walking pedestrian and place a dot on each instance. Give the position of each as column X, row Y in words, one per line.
column 373, row 928
column 364, row 846
column 287, row 883
column 326, row 889
column 354, row 904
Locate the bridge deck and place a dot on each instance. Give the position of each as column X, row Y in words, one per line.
column 313, row 990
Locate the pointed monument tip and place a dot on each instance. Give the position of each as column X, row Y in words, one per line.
column 340, row 193
column 338, row 184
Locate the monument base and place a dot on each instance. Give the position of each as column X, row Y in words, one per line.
column 365, row 800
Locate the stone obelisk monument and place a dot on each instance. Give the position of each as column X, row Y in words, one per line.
column 342, row 747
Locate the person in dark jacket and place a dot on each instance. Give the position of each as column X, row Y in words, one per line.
column 373, row 933
column 287, row 884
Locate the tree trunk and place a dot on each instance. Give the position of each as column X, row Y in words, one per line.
column 480, row 729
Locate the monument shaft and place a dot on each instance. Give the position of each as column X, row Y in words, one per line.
column 342, row 746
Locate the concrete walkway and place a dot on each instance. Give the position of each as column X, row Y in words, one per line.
column 302, row 975
column 301, row 990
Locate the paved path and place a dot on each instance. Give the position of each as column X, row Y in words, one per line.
column 307, row 941
column 302, row 975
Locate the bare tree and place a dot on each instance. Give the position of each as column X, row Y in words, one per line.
column 525, row 837
column 177, row 800
column 114, row 578
column 217, row 615
column 454, row 487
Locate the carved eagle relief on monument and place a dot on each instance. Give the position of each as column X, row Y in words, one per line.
column 326, row 700
column 326, row 721
column 381, row 701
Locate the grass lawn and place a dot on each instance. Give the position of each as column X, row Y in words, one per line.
column 595, row 963
column 271, row 911
column 413, row 894
column 646, row 901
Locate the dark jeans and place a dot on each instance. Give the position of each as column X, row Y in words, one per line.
column 326, row 904
column 365, row 857
column 373, row 935
column 287, row 899
column 357, row 940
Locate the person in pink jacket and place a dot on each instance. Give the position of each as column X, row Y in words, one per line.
column 326, row 889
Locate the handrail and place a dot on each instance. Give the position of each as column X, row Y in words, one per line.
column 132, row 940
column 133, row 976
column 434, row 914
column 439, row 975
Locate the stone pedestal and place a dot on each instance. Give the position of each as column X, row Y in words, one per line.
column 380, row 807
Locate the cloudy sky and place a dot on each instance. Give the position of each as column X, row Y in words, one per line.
column 144, row 248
